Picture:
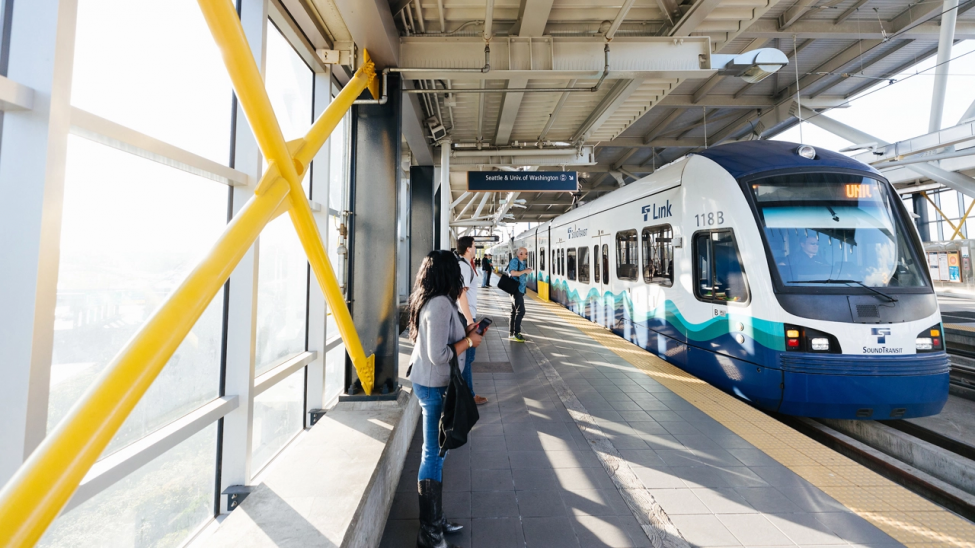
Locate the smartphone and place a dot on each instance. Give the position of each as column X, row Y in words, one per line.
column 483, row 325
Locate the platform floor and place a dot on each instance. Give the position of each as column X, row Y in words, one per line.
column 590, row 441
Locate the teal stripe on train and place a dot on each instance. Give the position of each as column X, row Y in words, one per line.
column 767, row 333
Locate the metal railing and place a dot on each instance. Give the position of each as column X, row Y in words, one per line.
column 34, row 497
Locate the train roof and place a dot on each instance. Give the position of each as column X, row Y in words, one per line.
column 666, row 177
column 747, row 158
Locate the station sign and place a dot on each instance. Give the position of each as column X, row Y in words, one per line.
column 522, row 181
column 487, row 238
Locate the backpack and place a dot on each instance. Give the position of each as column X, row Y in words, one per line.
column 459, row 410
column 462, row 260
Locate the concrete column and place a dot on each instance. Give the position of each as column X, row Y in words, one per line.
column 945, row 41
column 445, row 197
column 421, row 217
column 374, row 302
column 34, row 150
column 242, row 287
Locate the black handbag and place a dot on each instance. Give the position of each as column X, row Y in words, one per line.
column 459, row 410
column 509, row 285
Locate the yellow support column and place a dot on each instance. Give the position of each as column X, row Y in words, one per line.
column 246, row 77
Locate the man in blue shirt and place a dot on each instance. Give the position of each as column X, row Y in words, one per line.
column 518, row 269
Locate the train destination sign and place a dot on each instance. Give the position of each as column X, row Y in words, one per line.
column 522, row 181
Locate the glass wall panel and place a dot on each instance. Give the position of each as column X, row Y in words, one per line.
column 338, row 187
column 290, row 84
column 159, row 506
column 132, row 230
column 335, row 372
column 282, row 294
column 277, row 417
column 154, row 67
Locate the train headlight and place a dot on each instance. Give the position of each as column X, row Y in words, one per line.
column 807, row 152
column 804, row 339
column 929, row 340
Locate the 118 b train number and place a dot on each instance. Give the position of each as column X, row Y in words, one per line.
column 710, row 219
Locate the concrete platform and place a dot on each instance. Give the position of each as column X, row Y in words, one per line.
column 593, row 442
column 331, row 486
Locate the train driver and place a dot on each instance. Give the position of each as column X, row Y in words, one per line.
column 806, row 264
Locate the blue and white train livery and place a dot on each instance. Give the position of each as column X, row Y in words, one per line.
column 789, row 276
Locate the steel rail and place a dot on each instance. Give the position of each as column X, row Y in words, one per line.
column 39, row 490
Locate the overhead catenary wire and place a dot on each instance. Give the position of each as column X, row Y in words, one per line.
column 875, row 90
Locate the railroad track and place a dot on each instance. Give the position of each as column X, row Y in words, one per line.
column 962, row 372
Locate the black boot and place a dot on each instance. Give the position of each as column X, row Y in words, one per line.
column 448, row 527
column 430, row 534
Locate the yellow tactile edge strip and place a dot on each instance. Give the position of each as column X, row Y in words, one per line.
column 960, row 327
column 905, row 516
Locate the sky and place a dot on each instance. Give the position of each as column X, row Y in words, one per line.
column 902, row 110
column 892, row 112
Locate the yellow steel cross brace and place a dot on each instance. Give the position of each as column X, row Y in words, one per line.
column 43, row 485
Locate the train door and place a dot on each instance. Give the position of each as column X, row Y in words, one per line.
column 602, row 303
column 544, row 264
column 721, row 354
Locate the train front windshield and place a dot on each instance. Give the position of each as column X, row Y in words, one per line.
column 828, row 228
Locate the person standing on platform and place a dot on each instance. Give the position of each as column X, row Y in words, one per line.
column 518, row 269
column 486, row 266
column 435, row 325
column 467, row 302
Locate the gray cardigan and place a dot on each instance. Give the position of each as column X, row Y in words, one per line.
column 439, row 326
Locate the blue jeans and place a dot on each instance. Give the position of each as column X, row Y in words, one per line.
column 486, row 278
column 431, row 402
column 468, row 371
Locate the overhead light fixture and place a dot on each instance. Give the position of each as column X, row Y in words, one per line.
column 751, row 66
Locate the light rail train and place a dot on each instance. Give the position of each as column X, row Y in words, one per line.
column 788, row 276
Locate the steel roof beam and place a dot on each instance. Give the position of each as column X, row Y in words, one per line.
column 954, row 180
column 839, row 79
column 660, row 127
column 606, row 108
column 795, row 13
column 532, row 17
column 850, row 11
column 554, row 58
column 817, row 29
column 620, row 16
column 746, row 101
column 694, row 17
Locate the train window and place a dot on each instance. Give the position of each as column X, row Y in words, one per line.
column 626, row 255
column 584, row 265
column 718, row 272
column 561, row 262
column 570, row 264
column 595, row 262
column 605, row 261
column 658, row 255
column 541, row 256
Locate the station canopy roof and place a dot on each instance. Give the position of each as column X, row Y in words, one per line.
column 659, row 100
